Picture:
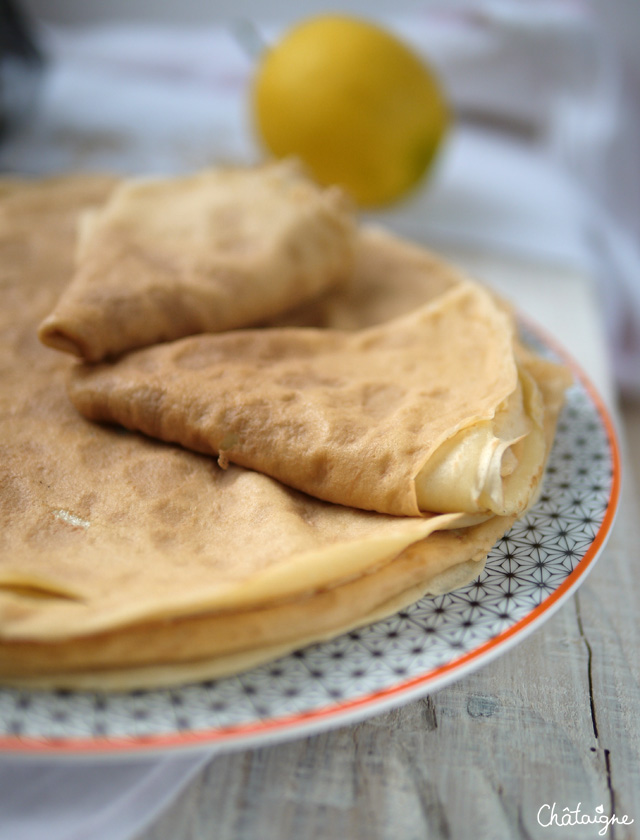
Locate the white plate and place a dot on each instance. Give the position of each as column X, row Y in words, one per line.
column 529, row 573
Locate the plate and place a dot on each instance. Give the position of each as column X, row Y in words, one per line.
column 529, row 573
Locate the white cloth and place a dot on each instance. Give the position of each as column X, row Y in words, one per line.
column 111, row 799
column 144, row 99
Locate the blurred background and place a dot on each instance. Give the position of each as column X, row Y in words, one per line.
column 541, row 165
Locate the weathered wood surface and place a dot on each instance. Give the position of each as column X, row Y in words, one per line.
column 556, row 719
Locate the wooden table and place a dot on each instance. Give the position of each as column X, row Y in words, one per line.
column 554, row 720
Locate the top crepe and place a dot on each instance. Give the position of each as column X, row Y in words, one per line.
column 428, row 412
column 226, row 248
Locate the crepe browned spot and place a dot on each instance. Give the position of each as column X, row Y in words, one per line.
column 225, row 248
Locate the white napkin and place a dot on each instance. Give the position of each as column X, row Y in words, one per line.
column 73, row 799
column 151, row 99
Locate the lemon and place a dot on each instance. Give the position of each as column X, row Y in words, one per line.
column 354, row 103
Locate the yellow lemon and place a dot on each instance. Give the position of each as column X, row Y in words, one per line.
column 354, row 103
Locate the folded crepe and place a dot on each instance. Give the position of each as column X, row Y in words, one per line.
column 428, row 412
column 125, row 562
column 225, row 248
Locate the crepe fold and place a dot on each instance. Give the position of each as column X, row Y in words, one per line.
column 428, row 412
column 126, row 562
column 224, row 248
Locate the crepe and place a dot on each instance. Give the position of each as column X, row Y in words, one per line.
column 125, row 562
column 225, row 248
column 213, row 644
column 390, row 277
column 401, row 418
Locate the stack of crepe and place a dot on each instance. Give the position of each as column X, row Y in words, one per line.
column 282, row 426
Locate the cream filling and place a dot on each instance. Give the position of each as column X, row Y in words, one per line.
column 493, row 465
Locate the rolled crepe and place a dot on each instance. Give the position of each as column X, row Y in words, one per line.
column 225, row 248
column 428, row 412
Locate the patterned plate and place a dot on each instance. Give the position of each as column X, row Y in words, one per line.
column 529, row 573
